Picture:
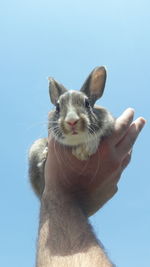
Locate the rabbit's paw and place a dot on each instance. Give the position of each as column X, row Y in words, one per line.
column 43, row 157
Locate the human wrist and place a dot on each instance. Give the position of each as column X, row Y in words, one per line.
column 65, row 230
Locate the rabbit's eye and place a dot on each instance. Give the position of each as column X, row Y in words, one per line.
column 57, row 107
column 87, row 104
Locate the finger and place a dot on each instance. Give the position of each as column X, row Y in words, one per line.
column 122, row 124
column 129, row 139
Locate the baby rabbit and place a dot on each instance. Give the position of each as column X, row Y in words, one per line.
column 75, row 122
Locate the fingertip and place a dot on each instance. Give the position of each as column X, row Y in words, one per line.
column 139, row 122
column 128, row 114
column 143, row 120
column 130, row 110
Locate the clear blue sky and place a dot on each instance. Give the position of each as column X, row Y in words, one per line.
column 67, row 39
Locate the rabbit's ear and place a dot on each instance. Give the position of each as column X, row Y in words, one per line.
column 55, row 90
column 94, row 84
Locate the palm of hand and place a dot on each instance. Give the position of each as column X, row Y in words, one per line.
column 93, row 182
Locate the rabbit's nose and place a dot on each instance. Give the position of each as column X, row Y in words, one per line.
column 72, row 118
column 72, row 122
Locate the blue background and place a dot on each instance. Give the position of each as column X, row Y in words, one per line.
column 67, row 39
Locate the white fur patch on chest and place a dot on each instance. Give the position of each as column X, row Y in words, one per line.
column 85, row 150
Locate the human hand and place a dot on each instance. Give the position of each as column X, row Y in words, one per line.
column 93, row 182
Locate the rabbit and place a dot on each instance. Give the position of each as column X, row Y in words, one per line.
column 75, row 123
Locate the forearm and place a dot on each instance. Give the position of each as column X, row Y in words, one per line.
column 65, row 236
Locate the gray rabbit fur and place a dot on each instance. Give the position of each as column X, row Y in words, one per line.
column 75, row 122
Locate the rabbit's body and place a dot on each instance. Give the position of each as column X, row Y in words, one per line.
column 75, row 122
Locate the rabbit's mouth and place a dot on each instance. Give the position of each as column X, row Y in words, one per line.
column 74, row 127
column 74, row 132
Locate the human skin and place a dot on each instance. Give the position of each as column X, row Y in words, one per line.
column 76, row 189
